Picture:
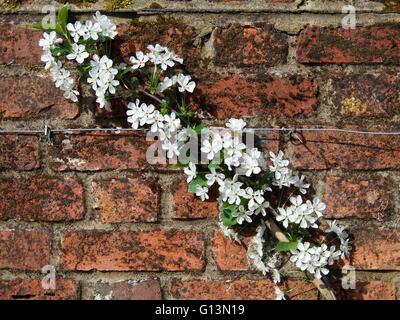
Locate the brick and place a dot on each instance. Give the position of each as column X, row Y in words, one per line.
column 19, row 152
column 97, row 151
column 139, row 251
column 238, row 289
column 188, row 206
column 254, row 96
column 365, row 95
column 370, row 290
column 19, row 45
column 347, row 197
column 126, row 200
column 29, row 97
column 129, row 290
column 348, row 151
column 172, row 33
column 32, row 289
column 376, row 249
column 24, row 250
column 228, row 254
column 248, row 46
column 41, row 199
column 377, row 44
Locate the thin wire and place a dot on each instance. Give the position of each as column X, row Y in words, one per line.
column 118, row 130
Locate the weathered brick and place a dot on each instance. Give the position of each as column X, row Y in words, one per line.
column 172, row 33
column 238, row 289
column 353, row 197
column 29, row 97
column 19, row 152
column 128, row 290
column 376, row 249
column 32, row 289
column 370, row 290
column 364, row 95
column 41, row 199
column 349, row 151
column 254, row 96
column 188, row 206
column 140, row 251
column 97, row 151
column 228, row 254
column 247, row 46
column 19, row 45
column 370, row 44
column 24, row 250
column 126, row 200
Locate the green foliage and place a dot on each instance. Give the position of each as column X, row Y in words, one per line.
column 226, row 214
column 200, row 180
column 286, row 246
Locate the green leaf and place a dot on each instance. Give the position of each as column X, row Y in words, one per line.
column 286, row 246
column 60, row 30
column 198, row 181
column 199, row 128
column 62, row 17
column 164, row 106
column 227, row 218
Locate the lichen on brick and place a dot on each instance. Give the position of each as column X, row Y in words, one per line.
column 118, row 4
column 353, row 105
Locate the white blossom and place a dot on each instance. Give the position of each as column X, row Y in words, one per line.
column 236, row 124
column 214, row 176
column 76, row 30
column 107, row 27
column 202, row 192
column 279, row 294
column 242, row 215
column 49, row 40
column 139, row 61
column 190, row 171
column 78, row 53
column 185, row 83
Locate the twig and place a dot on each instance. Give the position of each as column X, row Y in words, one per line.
column 321, row 284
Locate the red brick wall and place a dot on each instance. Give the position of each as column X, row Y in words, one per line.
column 116, row 227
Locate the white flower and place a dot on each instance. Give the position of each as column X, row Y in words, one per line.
column 134, row 113
column 255, row 197
column 48, row 59
column 139, row 61
column 279, row 165
column 229, row 233
column 91, row 30
column 345, row 248
column 214, row 176
column 107, row 27
column 172, row 148
column 172, row 123
column 279, row 294
column 236, row 124
column 211, row 149
column 242, row 215
column 318, row 207
column 165, row 84
column 78, row 53
column 49, row 40
column 76, row 30
column 231, row 191
column 286, row 216
column 190, row 171
column 299, row 183
column 250, row 162
column 158, row 123
column 260, row 208
column 184, row 83
column 232, row 150
column 338, row 230
column 202, row 192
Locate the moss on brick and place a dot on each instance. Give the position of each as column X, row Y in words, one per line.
column 392, row 5
column 118, row 4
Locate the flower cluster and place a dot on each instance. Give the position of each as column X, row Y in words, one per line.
column 251, row 193
column 77, row 41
